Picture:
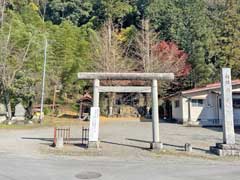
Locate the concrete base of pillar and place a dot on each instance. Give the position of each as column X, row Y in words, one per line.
column 93, row 145
column 156, row 146
column 192, row 124
column 188, row 147
column 226, row 149
column 59, row 143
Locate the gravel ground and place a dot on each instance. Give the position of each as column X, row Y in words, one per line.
column 124, row 139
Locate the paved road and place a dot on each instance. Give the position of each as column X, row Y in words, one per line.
column 66, row 168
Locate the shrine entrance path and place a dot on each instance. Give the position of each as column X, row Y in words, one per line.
column 128, row 139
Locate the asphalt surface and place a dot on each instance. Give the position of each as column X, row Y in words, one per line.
column 68, row 168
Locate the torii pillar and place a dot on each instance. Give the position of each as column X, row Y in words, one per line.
column 229, row 146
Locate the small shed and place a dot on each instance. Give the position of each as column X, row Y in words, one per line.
column 85, row 103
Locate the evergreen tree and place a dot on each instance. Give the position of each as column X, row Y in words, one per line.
column 16, row 40
column 187, row 23
column 228, row 38
column 69, row 54
column 78, row 12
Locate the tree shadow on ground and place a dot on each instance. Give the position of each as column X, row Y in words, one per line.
column 69, row 116
column 149, row 120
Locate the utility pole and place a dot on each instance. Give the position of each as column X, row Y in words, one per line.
column 3, row 4
column 43, row 79
column 54, row 98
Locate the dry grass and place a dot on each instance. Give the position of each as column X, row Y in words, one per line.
column 52, row 121
column 105, row 119
column 56, row 121
column 49, row 121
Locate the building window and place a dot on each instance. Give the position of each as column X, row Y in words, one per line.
column 197, row 102
column 236, row 103
column 177, row 104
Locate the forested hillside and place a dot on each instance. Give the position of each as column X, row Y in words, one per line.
column 192, row 38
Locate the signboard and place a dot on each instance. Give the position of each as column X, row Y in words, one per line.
column 94, row 124
column 228, row 124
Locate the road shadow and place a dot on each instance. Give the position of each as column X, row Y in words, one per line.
column 41, row 139
column 49, row 139
column 177, row 147
column 139, row 140
column 79, row 142
column 182, row 148
column 81, row 145
column 125, row 145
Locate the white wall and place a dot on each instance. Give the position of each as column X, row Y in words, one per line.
column 196, row 112
column 210, row 109
column 185, row 109
column 176, row 112
column 207, row 111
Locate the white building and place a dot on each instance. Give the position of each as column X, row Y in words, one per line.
column 203, row 105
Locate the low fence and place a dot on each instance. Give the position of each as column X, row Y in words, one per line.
column 85, row 135
column 65, row 133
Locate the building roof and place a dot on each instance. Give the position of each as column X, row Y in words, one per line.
column 209, row 87
column 85, row 97
column 212, row 86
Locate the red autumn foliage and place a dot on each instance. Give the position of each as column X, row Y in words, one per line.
column 171, row 58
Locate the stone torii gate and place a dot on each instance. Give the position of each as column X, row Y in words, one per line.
column 154, row 77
